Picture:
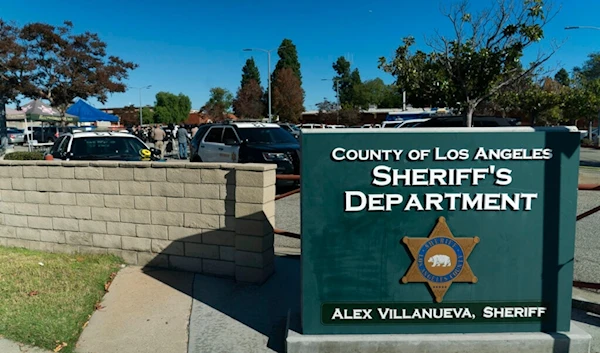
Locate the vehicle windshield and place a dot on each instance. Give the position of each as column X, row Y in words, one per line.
column 107, row 148
column 266, row 135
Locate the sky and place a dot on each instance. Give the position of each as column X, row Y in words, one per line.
column 191, row 46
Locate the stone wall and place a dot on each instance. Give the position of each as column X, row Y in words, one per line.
column 200, row 217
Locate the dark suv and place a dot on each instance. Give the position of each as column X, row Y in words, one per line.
column 247, row 142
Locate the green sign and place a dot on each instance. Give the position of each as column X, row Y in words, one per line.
column 438, row 230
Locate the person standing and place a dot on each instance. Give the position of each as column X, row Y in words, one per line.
column 182, row 138
column 158, row 135
column 194, row 130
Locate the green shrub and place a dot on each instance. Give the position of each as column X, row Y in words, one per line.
column 24, row 156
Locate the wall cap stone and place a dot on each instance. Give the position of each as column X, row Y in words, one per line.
column 112, row 164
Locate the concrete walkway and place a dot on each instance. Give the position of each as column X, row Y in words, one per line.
column 159, row 311
column 7, row 346
column 144, row 311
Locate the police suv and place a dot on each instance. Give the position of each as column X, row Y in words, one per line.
column 95, row 146
column 247, row 142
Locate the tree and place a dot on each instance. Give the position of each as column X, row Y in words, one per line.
column 591, row 68
column 349, row 116
column 250, row 72
column 482, row 56
column 248, row 102
column 288, row 96
column 348, row 82
column 15, row 67
column 68, row 65
column 326, row 106
column 374, row 91
column 420, row 75
column 288, row 59
column 328, row 113
column 170, row 108
column 562, row 77
column 392, row 98
column 583, row 102
column 219, row 103
column 148, row 115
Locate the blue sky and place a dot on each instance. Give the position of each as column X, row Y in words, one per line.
column 190, row 46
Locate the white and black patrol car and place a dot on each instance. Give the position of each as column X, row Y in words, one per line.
column 95, row 146
column 247, row 142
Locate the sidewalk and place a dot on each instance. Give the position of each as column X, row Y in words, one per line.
column 150, row 310
column 145, row 310
column 586, row 311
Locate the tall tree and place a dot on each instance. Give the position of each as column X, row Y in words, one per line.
column 590, row 70
column 248, row 102
column 348, row 83
column 288, row 96
column 250, row 72
column 483, row 54
column 16, row 68
column 288, row 59
column 374, row 91
column 148, row 115
column 69, row 65
column 219, row 103
column 170, row 108
column 562, row 77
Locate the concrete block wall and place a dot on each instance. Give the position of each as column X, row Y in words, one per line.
column 200, row 217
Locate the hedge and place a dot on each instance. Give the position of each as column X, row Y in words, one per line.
column 24, row 156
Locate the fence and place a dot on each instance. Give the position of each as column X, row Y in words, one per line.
column 583, row 187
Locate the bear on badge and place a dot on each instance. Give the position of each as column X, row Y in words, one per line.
column 440, row 260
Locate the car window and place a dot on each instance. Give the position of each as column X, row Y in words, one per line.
column 214, row 135
column 55, row 148
column 106, row 147
column 229, row 134
column 266, row 135
column 64, row 144
column 198, row 136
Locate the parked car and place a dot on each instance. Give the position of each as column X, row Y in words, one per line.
column 411, row 123
column 391, row 124
column 291, row 128
column 96, row 146
column 247, row 142
column 15, row 136
column 458, row 121
column 311, row 126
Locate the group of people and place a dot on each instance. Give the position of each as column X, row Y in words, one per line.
column 164, row 139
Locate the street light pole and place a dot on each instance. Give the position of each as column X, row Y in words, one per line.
column 337, row 95
column 337, row 90
column 590, row 128
column 140, row 90
column 268, row 73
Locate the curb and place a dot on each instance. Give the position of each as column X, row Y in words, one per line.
column 283, row 251
column 580, row 304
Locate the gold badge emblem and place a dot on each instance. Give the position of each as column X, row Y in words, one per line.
column 440, row 259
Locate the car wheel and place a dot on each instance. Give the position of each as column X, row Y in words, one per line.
column 195, row 158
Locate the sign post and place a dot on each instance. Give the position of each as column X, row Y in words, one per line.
column 428, row 231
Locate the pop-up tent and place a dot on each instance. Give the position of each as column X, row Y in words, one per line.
column 37, row 110
column 89, row 114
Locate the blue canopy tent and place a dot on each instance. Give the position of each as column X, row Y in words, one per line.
column 89, row 114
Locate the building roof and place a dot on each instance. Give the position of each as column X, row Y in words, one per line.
column 380, row 110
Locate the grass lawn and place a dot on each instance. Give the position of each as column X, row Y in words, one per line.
column 46, row 305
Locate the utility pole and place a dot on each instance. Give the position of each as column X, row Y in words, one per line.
column 268, row 73
column 140, row 90
column 336, row 80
